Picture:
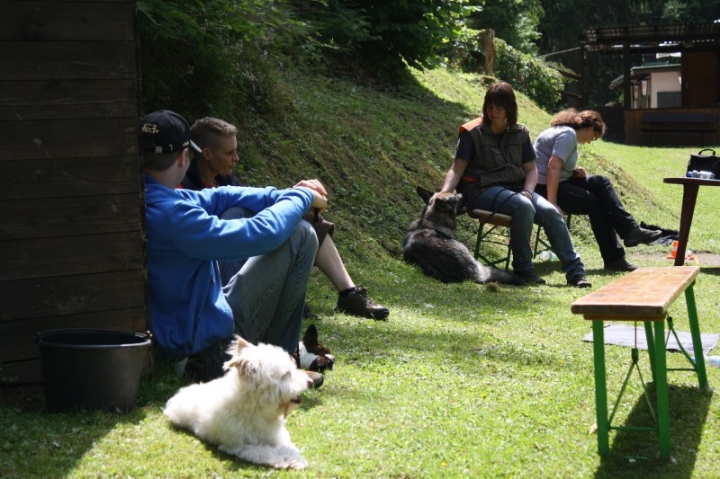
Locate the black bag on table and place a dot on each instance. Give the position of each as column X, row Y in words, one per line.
column 704, row 162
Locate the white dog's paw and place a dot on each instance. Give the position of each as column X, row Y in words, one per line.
column 294, row 463
column 298, row 464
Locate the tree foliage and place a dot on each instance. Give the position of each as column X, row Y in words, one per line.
column 383, row 35
column 529, row 75
column 515, row 21
column 214, row 57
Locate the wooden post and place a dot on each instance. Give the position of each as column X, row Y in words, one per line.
column 486, row 42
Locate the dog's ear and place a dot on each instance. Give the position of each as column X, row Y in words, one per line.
column 311, row 335
column 424, row 194
column 246, row 367
column 234, row 351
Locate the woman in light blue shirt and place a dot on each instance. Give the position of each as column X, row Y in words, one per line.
column 572, row 191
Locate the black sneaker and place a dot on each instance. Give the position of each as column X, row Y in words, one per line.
column 206, row 366
column 529, row 276
column 307, row 312
column 579, row 281
column 358, row 303
column 641, row 235
column 620, row 265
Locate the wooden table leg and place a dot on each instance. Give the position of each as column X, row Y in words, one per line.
column 601, row 404
column 696, row 339
column 661, row 392
column 690, row 193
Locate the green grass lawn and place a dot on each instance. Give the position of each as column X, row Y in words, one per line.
column 463, row 380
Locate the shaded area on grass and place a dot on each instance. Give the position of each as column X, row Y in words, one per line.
column 636, row 452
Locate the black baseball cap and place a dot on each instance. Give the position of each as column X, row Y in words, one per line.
column 164, row 131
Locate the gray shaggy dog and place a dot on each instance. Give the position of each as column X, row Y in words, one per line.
column 430, row 243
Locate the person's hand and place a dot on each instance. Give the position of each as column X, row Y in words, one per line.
column 314, row 185
column 320, row 194
column 579, row 172
column 559, row 209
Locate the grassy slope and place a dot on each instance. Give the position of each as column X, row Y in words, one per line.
column 463, row 380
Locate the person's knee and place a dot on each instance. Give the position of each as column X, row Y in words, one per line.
column 305, row 234
column 524, row 211
column 549, row 216
column 600, row 180
column 236, row 212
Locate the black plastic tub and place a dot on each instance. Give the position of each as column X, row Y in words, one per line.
column 92, row 368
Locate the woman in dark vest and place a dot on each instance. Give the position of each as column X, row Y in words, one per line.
column 494, row 169
column 213, row 167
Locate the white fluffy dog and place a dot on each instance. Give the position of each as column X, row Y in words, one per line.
column 244, row 411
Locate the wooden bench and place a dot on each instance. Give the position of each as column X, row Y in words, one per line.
column 680, row 122
column 644, row 295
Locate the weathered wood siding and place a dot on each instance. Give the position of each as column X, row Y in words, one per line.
column 71, row 205
column 634, row 134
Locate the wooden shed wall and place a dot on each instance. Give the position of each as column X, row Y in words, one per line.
column 71, row 201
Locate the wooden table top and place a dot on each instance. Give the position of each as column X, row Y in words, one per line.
column 643, row 295
column 684, row 180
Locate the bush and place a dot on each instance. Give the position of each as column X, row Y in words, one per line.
column 529, row 75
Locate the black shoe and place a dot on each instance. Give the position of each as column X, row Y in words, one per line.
column 307, row 312
column 529, row 276
column 359, row 303
column 205, row 366
column 620, row 265
column 641, row 235
column 579, row 281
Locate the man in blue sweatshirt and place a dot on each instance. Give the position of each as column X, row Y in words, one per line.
column 188, row 232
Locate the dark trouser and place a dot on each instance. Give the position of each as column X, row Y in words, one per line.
column 595, row 197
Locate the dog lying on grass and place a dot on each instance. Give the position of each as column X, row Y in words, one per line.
column 430, row 243
column 312, row 354
column 244, row 411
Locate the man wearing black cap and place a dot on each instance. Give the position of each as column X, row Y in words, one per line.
column 188, row 232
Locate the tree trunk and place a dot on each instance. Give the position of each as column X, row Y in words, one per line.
column 486, row 41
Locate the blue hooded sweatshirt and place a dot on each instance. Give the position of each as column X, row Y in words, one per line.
column 186, row 238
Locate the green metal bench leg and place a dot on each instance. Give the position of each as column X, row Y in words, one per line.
column 661, row 391
column 601, row 404
column 651, row 345
column 696, row 339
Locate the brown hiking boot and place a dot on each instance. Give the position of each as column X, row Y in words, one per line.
column 358, row 303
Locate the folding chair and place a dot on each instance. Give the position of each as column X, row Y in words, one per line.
column 498, row 232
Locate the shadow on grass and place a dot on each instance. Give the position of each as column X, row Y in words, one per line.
column 635, row 453
column 57, row 442
column 37, row 443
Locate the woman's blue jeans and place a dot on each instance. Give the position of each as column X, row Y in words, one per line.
column 525, row 214
column 267, row 293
